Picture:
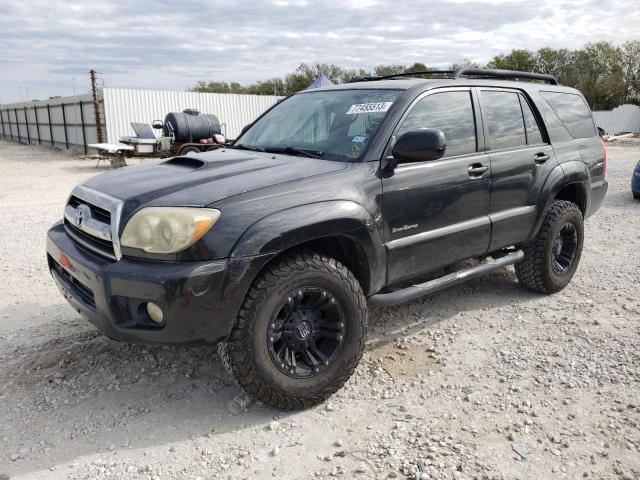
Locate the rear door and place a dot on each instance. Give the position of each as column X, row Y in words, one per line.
column 436, row 212
column 521, row 159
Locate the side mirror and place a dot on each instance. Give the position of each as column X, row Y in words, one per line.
column 601, row 131
column 420, row 145
column 157, row 124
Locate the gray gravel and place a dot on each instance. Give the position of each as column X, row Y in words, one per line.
column 482, row 381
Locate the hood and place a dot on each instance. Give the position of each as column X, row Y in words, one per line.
column 202, row 179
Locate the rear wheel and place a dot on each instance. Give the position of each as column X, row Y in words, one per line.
column 300, row 332
column 552, row 257
column 636, row 195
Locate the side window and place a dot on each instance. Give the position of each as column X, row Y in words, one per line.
column 451, row 112
column 533, row 130
column 504, row 119
column 573, row 112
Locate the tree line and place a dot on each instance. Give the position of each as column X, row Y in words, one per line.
column 607, row 74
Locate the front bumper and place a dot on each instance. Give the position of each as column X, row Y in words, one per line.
column 200, row 300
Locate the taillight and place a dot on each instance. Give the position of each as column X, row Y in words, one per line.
column 604, row 156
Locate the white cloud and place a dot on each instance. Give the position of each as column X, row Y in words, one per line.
column 161, row 44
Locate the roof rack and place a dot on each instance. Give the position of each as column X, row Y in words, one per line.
column 505, row 74
column 479, row 73
column 372, row 78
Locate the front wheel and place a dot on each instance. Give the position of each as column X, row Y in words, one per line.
column 552, row 257
column 300, row 332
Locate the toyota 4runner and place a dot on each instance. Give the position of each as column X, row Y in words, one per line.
column 367, row 193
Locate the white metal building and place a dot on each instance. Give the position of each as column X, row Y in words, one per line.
column 70, row 122
column 122, row 106
column 625, row 118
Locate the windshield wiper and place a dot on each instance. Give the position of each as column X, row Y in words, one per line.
column 295, row 151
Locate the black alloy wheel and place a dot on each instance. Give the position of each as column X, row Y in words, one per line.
column 565, row 246
column 306, row 332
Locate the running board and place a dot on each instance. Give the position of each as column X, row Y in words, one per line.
column 416, row 291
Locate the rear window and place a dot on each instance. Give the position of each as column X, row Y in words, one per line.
column 573, row 112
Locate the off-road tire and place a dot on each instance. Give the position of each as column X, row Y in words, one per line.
column 636, row 195
column 535, row 271
column 246, row 350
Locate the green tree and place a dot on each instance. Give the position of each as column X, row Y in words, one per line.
column 559, row 63
column 599, row 75
column 523, row 60
column 417, row 67
column 607, row 74
column 387, row 70
column 219, row 87
column 465, row 63
column 631, row 71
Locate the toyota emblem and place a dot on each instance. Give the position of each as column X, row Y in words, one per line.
column 82, row 213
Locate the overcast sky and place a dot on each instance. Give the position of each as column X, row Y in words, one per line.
column 155, row 44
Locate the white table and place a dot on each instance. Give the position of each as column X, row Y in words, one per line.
column 114, row 152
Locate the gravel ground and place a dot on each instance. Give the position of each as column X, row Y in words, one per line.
column 482, row 381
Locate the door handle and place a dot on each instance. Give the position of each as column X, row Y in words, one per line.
column 541, row 157
column 477, row 170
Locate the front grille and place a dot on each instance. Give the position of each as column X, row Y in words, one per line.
column 75, row 286
column 93, row 244
column 89, row 226
column 97, row 212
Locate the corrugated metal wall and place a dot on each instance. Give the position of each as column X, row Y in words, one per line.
column 57, row 122
column 123, row 106
column 625, row 118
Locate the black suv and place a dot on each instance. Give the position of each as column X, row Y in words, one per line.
column 333, row 199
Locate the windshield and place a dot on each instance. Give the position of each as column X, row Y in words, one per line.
column 332, row 124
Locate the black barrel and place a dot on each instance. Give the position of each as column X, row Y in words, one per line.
column 190, row 126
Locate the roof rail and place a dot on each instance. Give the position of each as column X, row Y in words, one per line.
column 506, row 74
column 372, row 78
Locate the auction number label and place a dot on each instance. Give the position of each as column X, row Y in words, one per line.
column 369, row 108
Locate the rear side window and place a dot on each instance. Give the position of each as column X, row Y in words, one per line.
column 533, row 130
column 573, row 112
column 451, row 112
column 504, row 119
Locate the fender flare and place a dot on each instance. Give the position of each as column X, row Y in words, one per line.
column 563, row 175
column 287, row 228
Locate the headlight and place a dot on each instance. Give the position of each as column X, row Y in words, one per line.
column 167, row 229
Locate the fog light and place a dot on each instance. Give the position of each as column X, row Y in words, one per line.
column 155, row 312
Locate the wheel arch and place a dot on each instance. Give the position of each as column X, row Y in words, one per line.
column 568, row 181
column 343, row 230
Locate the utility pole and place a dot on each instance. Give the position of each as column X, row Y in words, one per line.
column 96, row 105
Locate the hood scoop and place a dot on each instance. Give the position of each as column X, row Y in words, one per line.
column 186, row 162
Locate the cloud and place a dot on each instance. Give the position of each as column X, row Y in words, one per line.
column 171, row 45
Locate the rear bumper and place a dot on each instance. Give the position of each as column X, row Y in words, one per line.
column 199, row 300
column 598, row 192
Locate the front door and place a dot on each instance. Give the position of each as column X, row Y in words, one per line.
column 436, row 212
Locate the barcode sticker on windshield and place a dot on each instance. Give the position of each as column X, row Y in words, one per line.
column 369, row 108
